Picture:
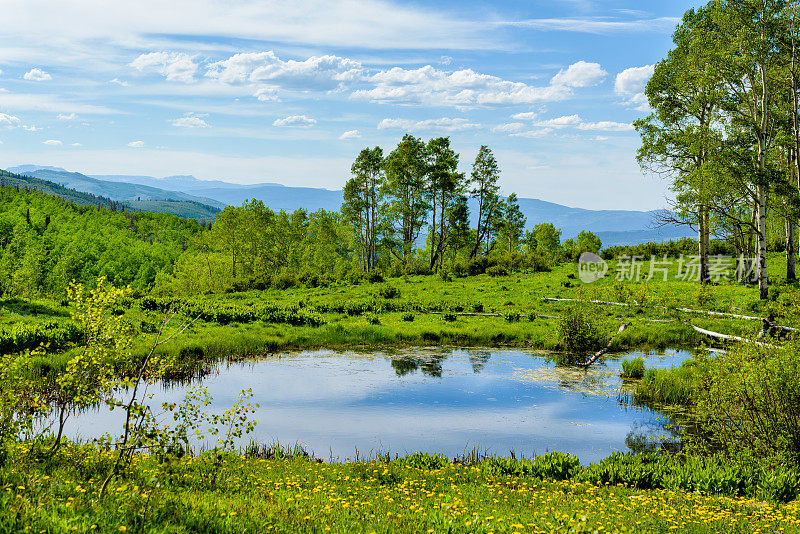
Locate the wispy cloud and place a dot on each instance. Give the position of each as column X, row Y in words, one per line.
column 598, row 25
column 295, row 121
column 444, row 124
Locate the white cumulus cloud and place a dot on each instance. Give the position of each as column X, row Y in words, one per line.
column 315, row 73
column 630, row 84
column 174, row 66
column 606, row 126
column 580, row 74
column 463, row 88
column 119, row 82
column 67, row 116
column 267, row 93
column 295, row 121
column 444, row 124
column 9, row 121
column 37, row 75
column 136, row 144
column 190, row 120
column 53, row 142
column 351, row 134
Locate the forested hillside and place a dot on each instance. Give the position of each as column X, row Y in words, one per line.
column 47, row 241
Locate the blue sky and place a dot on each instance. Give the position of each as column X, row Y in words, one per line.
column 289, row 91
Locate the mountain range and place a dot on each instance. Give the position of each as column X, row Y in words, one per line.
column 614, row 227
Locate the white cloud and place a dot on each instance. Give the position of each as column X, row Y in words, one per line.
column 528, row 115
column 559, row 122
column 515, row 129
column 630, row 84
column 315, row 73
column 75, row 28
column 76, row 144
column 510, row 127
column 462, row 88
column 267, row 93
column 351, row 134
column 444, row 124
column 599, row 26
column 119, row 82
column 49, row 103
column 9, row 121
column 53, row 142
column 67, row 116
column 174, row 66
column 580, row 74
column 295, row 121
column 534, row 134
column 606, row 126
column 190, row 120
column 136, row 144
column 31, row 128
column 37, row 75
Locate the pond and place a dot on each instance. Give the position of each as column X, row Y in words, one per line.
column 432, row 400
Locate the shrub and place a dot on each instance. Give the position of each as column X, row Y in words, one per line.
column 749, row 402
column 497, row 270
column 633, row 368
column 373, row 318
column 578, row 334
column 511, row 317
column 477, row 307
column 408, row 317
column 284, row 280
column 374, row 277
column 478, row 266
column 388, row 291
column 449, row 317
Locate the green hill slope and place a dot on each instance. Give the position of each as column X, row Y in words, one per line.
column 189, row 209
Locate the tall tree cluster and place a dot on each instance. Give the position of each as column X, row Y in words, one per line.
column 418, row 191
column 724, row 127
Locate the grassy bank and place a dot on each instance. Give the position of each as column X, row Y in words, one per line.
column 420, row 493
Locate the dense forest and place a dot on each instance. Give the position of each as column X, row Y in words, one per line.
column 405, row 213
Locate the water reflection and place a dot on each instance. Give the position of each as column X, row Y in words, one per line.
column 432, row 400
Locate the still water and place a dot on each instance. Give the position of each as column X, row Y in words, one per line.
column 432, row 400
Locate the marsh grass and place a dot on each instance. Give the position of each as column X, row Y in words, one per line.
column 280, row 490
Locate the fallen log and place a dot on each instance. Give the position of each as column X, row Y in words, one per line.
column 727, row 337
column 685, row 310
column 605, row 350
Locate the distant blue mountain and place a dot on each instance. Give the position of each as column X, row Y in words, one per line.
column 614, row 227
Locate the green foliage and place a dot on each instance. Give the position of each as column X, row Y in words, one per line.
column 670, row 387
column 578, row 334
column 550, row 466
column 388, row 291
column 449, row 317
column 425, row 461
column 65, row 242
column 632, row 368
column 408, row 317
column 749, row 402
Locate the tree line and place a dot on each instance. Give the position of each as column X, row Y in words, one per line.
column 724, row 127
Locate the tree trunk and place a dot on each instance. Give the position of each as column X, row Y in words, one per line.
column 703, row 243
column 791, row 274
column 761, row 243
